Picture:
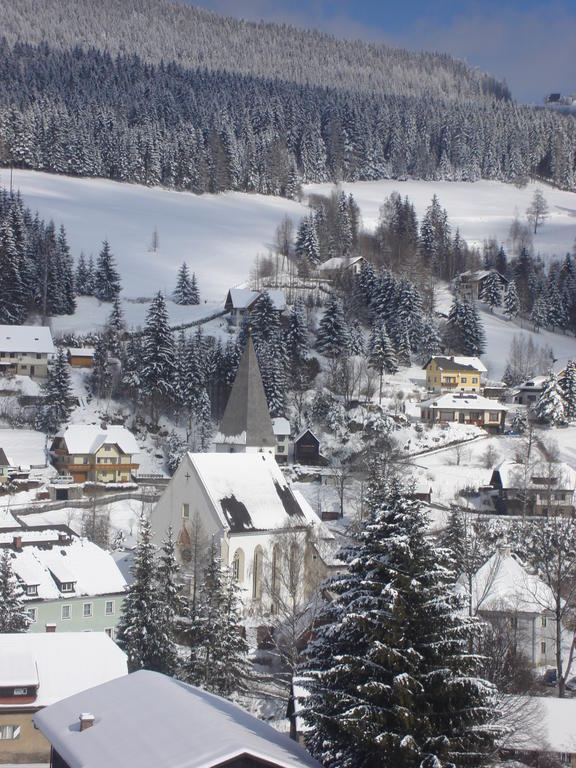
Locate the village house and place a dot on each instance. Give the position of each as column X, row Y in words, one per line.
column 506, row 594
column 5, row 466
column 528, row 393
column 91, row 453
column 69, row 584
column 472, row 283
column 240, row 302
column 307, row 449
column 454, row 374
column 150, row 720
column 38, row 670
column 464, row 409
column 26, row 349
column 338, row 264
column 81, row 357
column 542, row 488
column 281, row 428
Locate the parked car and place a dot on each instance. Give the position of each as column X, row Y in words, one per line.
column 571, row 684
column 550, row 677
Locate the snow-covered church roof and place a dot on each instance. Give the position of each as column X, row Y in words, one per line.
column 148, row 720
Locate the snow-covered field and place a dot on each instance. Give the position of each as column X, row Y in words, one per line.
column 482, row 210
column 219, row 236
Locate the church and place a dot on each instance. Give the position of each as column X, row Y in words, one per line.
column 238, row 500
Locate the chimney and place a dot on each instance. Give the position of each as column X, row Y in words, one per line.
column 62, row 538
column 17, row 542
column 86, row 720
column 51, row 628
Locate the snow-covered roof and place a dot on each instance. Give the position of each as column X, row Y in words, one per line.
column 88, row 438
column 24, row 446
column 338, row 262
column 277, row 298
column 473, row 275
column 81, row 351
column 248, row 490
column 146, row 719
column 35, row 535
column 20, row 671
column 65, row 662
column 26, row 338
column 457, row 363
column 558, row 475
column 503, row 584
column 463, row 401
column 535, row 383
column 281, row 426
column 242, row 298
column 546, row 724
column 91, row 570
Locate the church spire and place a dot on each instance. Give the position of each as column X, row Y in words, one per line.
column 246, row 425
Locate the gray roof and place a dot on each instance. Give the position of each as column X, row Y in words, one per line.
column 247, row 419
column 149, row 720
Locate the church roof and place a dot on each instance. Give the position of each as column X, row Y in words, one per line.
column 247, row 419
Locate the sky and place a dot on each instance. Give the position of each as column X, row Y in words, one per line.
column 529, row 43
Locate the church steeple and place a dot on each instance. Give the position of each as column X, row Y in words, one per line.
column 246, row 425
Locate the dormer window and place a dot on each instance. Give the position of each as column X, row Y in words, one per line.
column 32, row 590
column 67, row 586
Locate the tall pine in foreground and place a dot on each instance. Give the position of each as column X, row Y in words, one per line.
column 12, row 612
column 391, row 679
column 57, row 395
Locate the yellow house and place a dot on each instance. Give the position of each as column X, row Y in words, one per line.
column 91, row 453
column 454, row 374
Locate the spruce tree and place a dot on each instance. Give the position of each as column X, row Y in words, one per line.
column 550, row 406
column 81, row 276
column 430, row 342
column 491, row 292
column 157, row 362
column 296, row 336
column 332, row 337
column 101, row 375
column 186, row 291
column 57, row 394
column 382, row 356
column 106, row 278
column 511, row 301
column 142, row 631
column 264, row 321
column 218, row 658
column 472, row 330
column 12, row 310
column 172, row 600
column 390, row 675
column 539, row 313
column 567, row 382
column 12, row 611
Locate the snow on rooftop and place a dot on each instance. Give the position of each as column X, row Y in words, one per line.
column 280, row 425
column 66, row 662
column 26, row 338
column 248, row 490
column 88, row 438
column 81, row 351
column 18, row 670
column 24, row 446
column 146, row 719
column 27, row 535
column 547, row 724
column 558, row 474
column 91, row 569
column 463, row 401
column 503, row 584
column 242, row 298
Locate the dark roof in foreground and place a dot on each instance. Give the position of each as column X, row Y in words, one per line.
column 149, row 720
column 246, row 419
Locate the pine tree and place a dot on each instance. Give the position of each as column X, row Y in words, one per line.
column 356, row 342
column 12, row 612
column 550, row 406
column 491, row 292
column 382, row 356
column 332, row 337
column 511, row 301
column 101, row 375
column 142, row 632
column 186, row 291
column 157, row 364
column 296, row 336
column 472, row 330
column 81, row 277
column 218, row 653
column 430, row 341
column 106, row 278
column 171, row 599
column 567, row 382
column 391, row 677
column 57, row 394
column 264, row 321
column 12, row 311
column 114, row 328
column 539, row 313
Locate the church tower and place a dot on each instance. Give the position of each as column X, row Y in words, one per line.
column 246, row 426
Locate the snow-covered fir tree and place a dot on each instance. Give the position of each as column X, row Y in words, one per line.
column 465, row 332
column 430, row 342
column 491, row 292
column 567, row 382
column 12, row 310
column 106, row 277
column 218, row 659
column 332, row 336
column 296, row 334
column 550, row 406
column 142, row 632
column 101, row 374
column 264, row 321
column 203, row 426
column 171, row 599
column 157, row 363
column 390, row 675
column 57, row 394
column 539, row 313
column 174, row 449
column 511, row 301
column 13, row 616
column 186, row 291
column 382, row 356
column 356, row 341
column 83, row 280
column 307, row 246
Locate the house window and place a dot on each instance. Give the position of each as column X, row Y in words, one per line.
column 493, row 415
column 32, row 589
column 87, row 610
column 32, row 614
column 67, row 586
column 543, row 648
column 109, row 608
column 107, row 447
column 514, row 622
column 280, row 449
column 464, row 380
column 257, row 573
column 9, row 732
column 110, row 632
column 38, row 356
column 186, row 511
column 238, row 566
column 543, row 621
column 66, row 612
column 474, row 380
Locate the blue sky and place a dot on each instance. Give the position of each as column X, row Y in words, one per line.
column 529, row 43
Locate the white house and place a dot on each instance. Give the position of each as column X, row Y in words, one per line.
column 240, row 301
column 281, row 428
column 39, row 670
column 26, row 349
column 148, row 720
column 464, row 408
column 540, row 488
column 69, row 584
column 352, row 265
column 243, row 504
column 503, row 590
